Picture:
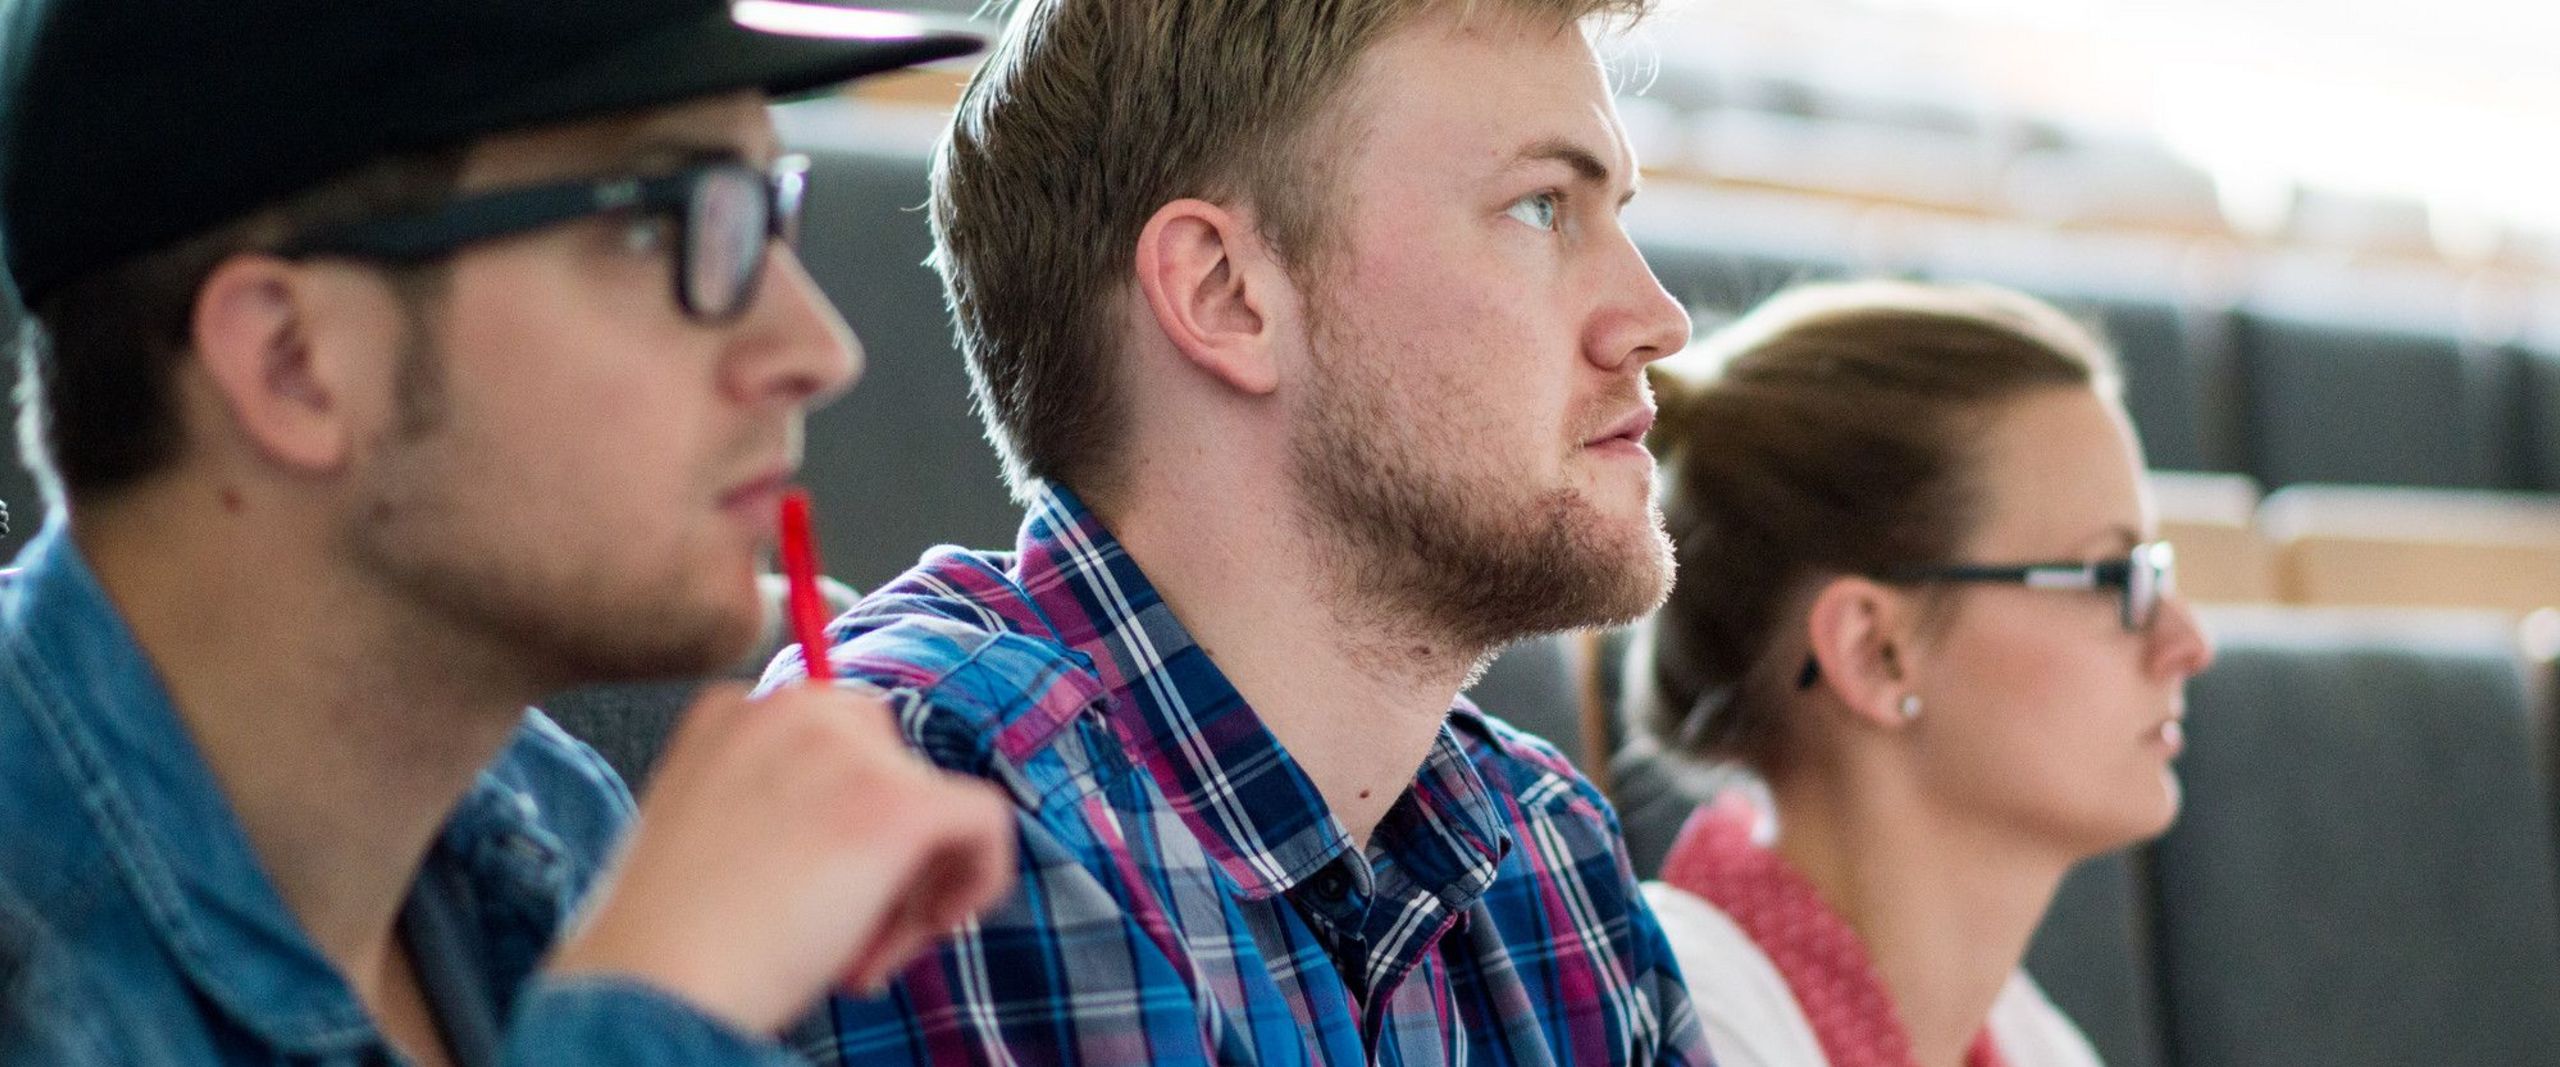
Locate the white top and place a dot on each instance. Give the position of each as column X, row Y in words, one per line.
column 1753, row 1021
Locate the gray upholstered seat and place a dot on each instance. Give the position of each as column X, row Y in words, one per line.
column 2327, row 401
column 2539, row 420
column 2175, row 376
column 1534, row 685
column 898, row 465
column 2364, row 874
column 2093, row 956
column 627, row 722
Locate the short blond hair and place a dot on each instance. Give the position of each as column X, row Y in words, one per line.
column 1089, row 116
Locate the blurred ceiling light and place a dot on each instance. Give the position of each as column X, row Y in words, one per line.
column 801, row 19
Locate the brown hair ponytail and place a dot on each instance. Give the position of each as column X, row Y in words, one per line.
column 1828, row 432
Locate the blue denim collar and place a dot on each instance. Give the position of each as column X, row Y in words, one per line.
column 105, row 719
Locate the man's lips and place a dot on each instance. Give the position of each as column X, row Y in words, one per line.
column 1629, row 428
column 772, row 480
column 758, row 498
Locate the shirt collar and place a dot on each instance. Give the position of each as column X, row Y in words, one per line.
column 164, row 821
column 1448, row 834
column 1251, row 805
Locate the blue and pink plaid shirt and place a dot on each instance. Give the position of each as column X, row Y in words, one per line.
column 1186, row 898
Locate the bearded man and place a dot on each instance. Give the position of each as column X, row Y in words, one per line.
column 1314, row 347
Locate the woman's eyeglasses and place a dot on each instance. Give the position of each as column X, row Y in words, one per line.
column 2142, row 579
column 724, row 212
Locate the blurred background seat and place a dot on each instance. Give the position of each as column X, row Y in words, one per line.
column 2094, row 957
column 2364, row 874
column 2213, row 521
column 2538, row 414
column 2370, row 545
column 2338, row 401
column 898, row 465
column 2175, row 373
column 1531, row 685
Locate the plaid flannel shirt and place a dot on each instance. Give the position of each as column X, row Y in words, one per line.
column 1187, row 898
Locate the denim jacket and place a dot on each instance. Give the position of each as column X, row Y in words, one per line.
column 137, row 926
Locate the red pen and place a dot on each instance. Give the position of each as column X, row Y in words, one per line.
column 800, row 568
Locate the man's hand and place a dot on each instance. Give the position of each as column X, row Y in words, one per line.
column 785, row 846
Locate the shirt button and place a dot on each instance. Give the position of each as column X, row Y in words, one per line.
column 1332, row 885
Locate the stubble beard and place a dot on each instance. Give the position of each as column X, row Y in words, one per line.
column 553, row 621
column 1425, row 546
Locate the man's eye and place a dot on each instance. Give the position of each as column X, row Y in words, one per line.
column 1537, row 209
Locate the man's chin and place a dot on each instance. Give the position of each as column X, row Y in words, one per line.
column 1645, row 582
column 1593, row 570
column 700, row 640
column 1631, row 534
column 663, row 661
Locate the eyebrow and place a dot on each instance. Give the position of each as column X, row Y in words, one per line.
column 1584, row 163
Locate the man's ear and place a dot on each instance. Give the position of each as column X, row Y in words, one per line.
column 1211, row 284
column 1863, row 638
column 286, row 393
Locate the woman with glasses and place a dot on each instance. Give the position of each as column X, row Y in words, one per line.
column 1921, row 597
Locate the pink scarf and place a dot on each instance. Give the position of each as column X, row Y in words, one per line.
column 1821, row 958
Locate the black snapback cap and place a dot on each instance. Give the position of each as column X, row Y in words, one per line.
column 130, row 125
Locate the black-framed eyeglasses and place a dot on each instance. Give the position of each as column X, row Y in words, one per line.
column 2142, row 579
column 725, row 214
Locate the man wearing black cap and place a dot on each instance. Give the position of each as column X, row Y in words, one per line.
column 393, row 365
